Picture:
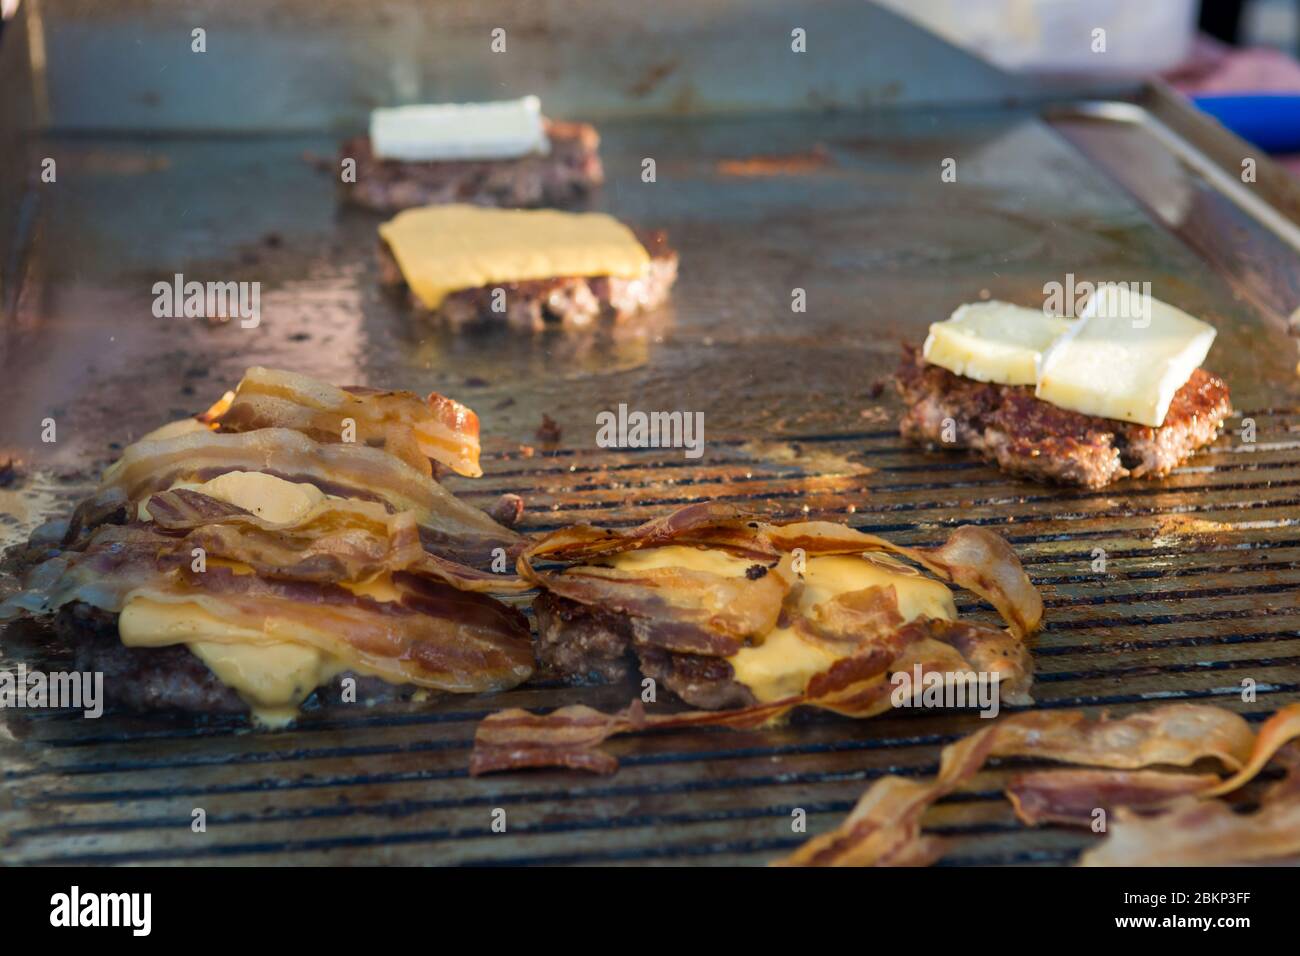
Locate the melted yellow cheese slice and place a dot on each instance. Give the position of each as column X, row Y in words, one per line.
column 270, row 498
column 272, row 676
column 782, row 665
column 184, row 426
column 678, row 556
column 444, row 249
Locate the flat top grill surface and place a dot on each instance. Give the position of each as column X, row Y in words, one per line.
column 1202, row 569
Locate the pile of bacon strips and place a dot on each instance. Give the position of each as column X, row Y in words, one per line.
column 375, row 455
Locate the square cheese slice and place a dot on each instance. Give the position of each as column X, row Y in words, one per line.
column 1124, row 358
column 444, row 249
column 993, row 342
column 505, row 129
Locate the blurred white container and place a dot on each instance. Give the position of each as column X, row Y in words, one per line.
column 1057, row 36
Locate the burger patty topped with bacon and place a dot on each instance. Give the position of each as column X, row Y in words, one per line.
column 289, row 538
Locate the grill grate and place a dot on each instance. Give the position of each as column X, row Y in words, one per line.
column 1203, row 567
column 1200, row 592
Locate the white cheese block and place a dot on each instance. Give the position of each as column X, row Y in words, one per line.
column 506, row 129
column 1124, row 358
column 993, row 342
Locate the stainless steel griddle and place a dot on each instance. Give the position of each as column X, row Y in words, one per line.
column 1203, row 568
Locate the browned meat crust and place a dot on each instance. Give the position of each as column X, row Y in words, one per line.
column 1026, row 436
column 591, row 645
column 167, row 678
column 142, row 678
column 702, row 681
column 564, row 175
column 580, row 643
column 569, row 301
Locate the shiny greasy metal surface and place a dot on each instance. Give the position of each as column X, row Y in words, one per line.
column 1203, row 569
column 309, row 65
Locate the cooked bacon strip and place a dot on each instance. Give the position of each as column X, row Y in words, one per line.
column 435, row 635
column 1207, row 832
column 707, row 524
column 889, row 813
column 1288, row 758
column 448, row 526
column 693, row 612
column 515, row 739
column 338, row 540
column 702, row 613
column 884, row 828
column 1278, row 730
column 401, row 423
column 852, row 618
column 1072, row 796
column 115, row 560
column 109, row 506
column 984, row 650
column 974, row 558
column 569, row 737
column 1197, row 832
column 1175, row 735
column 854, row 686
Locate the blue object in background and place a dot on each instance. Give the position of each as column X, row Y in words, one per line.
column 1269, row 120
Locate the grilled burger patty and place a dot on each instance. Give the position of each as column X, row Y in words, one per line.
column 571, row 301
column 169, row 678
column 142, row 678
column 591, row 645
column 567, row 173
column 1027, row 436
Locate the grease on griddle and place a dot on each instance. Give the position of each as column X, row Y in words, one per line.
column 507, row 510
column 549, row 432
column 788, row 164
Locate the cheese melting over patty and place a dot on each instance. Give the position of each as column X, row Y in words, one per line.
column 446, row 249
column 783, row 663
column 273, row 676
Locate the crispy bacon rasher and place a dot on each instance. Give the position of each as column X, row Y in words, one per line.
column 1196, row 832
column 1199, row 830
column 972, row 557
column 887, row 819
column 700, row 613
column 438, row 632
column 401, row 423
column 340, row 539
column 448, row 526
column 1073, row 796
column 381, row 572
column 1159, row 816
